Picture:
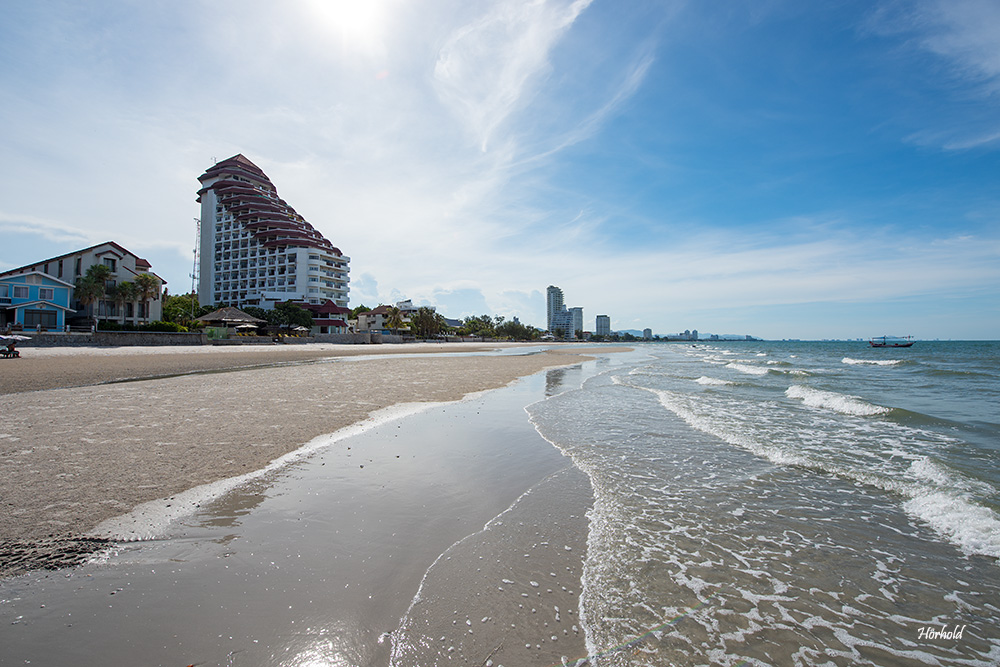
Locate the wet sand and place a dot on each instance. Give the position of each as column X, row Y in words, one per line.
column 322, row 561
column 73, row 457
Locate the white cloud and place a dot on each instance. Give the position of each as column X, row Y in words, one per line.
column 488, row 69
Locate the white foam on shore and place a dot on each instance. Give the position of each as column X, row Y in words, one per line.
column 150, row 520
column 842, row 403
column 713, row 381
column 749, row 370
column 871, row 362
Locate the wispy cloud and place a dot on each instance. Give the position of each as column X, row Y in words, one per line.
column 965, row 36
column 490, row 68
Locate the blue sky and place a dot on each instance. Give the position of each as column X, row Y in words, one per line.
column 782, row 169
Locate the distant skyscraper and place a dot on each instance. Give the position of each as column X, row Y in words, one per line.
column 647, row 334
column 555, row 305
column 603, row 325
column 569, row 321
column 256, row 250
column 576, row 319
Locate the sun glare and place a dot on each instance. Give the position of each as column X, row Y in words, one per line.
column 358, row 24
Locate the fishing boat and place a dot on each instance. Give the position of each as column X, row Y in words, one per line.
column 891, row 341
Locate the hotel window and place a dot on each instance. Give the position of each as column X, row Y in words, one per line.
column 79, row 266
column 59, row 275
column 4, row 291
column 46, row 294
column 110, row 263
column 20, row 291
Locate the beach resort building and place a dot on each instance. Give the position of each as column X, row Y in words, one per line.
column 603, row 325
column 328, row 318
column 34, row 301
column 255, row 250
column 374, row 320
column 647, row 334
column 569, row 321
column 123, row 266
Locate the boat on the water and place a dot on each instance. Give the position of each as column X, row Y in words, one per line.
column 891, row 341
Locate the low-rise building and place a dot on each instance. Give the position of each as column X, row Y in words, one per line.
column 328, row 318
column 123, row 266
column 374, row 319
column 34, row 301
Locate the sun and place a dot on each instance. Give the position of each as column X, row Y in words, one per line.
column 358, row 24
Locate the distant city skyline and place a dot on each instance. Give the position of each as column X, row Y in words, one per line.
column 784, row 169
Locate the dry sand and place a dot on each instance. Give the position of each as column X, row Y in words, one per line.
column 74, row 452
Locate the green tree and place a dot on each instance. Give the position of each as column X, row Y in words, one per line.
column 289, row 314
column 181, row 308
column 482, row 325
column 148, row 287
column 559, row 333
column 517, row 331
column 426, row 323
column 393, row 319
column 255, row 311
column 124, row 293
column 91, row 287
column 357, row 310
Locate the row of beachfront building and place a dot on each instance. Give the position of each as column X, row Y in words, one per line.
column 254, row 250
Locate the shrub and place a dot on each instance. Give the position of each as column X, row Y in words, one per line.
column 165, row 327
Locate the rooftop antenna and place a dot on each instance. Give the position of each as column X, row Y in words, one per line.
column 194, row 269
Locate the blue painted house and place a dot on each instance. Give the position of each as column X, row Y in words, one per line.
column 35, row 301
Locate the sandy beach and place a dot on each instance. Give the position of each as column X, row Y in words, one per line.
column 78, row 445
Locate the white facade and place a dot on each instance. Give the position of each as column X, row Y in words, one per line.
column 576, row 320
column 554, row 306
column 124, row 267
column 603, row 325
column 256, row 250
column 559, row 317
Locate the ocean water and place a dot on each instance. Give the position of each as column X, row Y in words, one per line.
column 760, row 503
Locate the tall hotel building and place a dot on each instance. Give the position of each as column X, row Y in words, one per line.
column 256, row 250
column 603, row 325
column 559, row 317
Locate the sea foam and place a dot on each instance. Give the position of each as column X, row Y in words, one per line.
column 842, row 403
column 712, row 381
column 871, row 362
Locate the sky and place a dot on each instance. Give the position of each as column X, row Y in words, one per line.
column 780, row 169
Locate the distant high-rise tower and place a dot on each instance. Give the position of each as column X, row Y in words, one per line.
column 603, row 325
column 554, row 302
column 256, row 250
column 569, row 321
column 576, row 320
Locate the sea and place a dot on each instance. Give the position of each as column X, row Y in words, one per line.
column 788, row 503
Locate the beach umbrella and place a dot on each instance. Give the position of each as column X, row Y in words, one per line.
column 246, row 326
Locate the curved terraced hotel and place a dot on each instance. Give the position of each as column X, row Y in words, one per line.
column 256, row 250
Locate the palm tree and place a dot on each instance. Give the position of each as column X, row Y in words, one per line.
column 147, row 287
column 394, row 318
column 124, row 293
column 90, row 289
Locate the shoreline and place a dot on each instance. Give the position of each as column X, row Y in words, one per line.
column 453, row 533
column 72, row 457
